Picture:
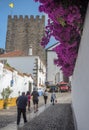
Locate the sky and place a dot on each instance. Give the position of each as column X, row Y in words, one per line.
column 21, row 7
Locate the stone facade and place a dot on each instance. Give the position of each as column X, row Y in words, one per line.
column 25, row 32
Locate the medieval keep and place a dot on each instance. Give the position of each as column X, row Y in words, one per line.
column 25, row 34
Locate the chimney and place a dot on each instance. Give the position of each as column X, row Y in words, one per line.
column 30, row 51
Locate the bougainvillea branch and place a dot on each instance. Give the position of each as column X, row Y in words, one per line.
column 65, row 23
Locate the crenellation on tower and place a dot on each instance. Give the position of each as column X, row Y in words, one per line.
column 15, row 17
column 21, row 17
column 43, row 17
column 38, row 17
column 26, row 18
column 32, row 18
column 9, row 17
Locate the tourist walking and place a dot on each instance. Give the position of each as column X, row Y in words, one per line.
column 28, row 98
column 45, row 96
column 21, row 107
column 35, row 96
column 53, row 97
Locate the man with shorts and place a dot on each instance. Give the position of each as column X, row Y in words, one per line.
column 35, row 95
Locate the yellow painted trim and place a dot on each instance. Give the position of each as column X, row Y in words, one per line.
column 11, row 102
column 1, row 104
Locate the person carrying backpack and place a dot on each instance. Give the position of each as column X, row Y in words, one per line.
column 35, row 96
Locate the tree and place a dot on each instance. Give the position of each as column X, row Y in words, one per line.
column 5, row 95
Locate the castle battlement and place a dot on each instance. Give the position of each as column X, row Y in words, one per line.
column 26, row 17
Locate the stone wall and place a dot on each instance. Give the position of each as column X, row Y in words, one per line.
column 25, row 32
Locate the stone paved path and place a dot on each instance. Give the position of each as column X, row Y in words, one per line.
column 57, row 117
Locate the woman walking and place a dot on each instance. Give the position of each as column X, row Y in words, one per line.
column 29, row 98
column 53, row 97
column 45, row 96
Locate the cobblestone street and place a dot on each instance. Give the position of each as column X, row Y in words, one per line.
column 57, row 117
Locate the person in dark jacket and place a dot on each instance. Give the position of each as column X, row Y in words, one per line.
column 35, row 96
column 45, row 96
column 21, row 107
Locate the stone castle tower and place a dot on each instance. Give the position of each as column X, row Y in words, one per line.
column 24, row 33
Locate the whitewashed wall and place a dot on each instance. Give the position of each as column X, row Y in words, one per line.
column 26, row 65
column 20, row 83
column 80, row 81
column 41, row 74
column 52, row 69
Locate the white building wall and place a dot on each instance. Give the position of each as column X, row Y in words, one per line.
column 20, row 83
column 80, row 81
column 52, row 69
column 26, row 65
column 41, row 74
column 1, row 69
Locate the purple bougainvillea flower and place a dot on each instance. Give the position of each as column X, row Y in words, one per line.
column 64, row 24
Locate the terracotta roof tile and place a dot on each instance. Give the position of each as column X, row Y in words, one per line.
column 13, row 54
column 29, row 75
column 9, row 68
column 21, row 74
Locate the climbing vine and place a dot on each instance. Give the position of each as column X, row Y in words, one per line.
column 65, row 23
